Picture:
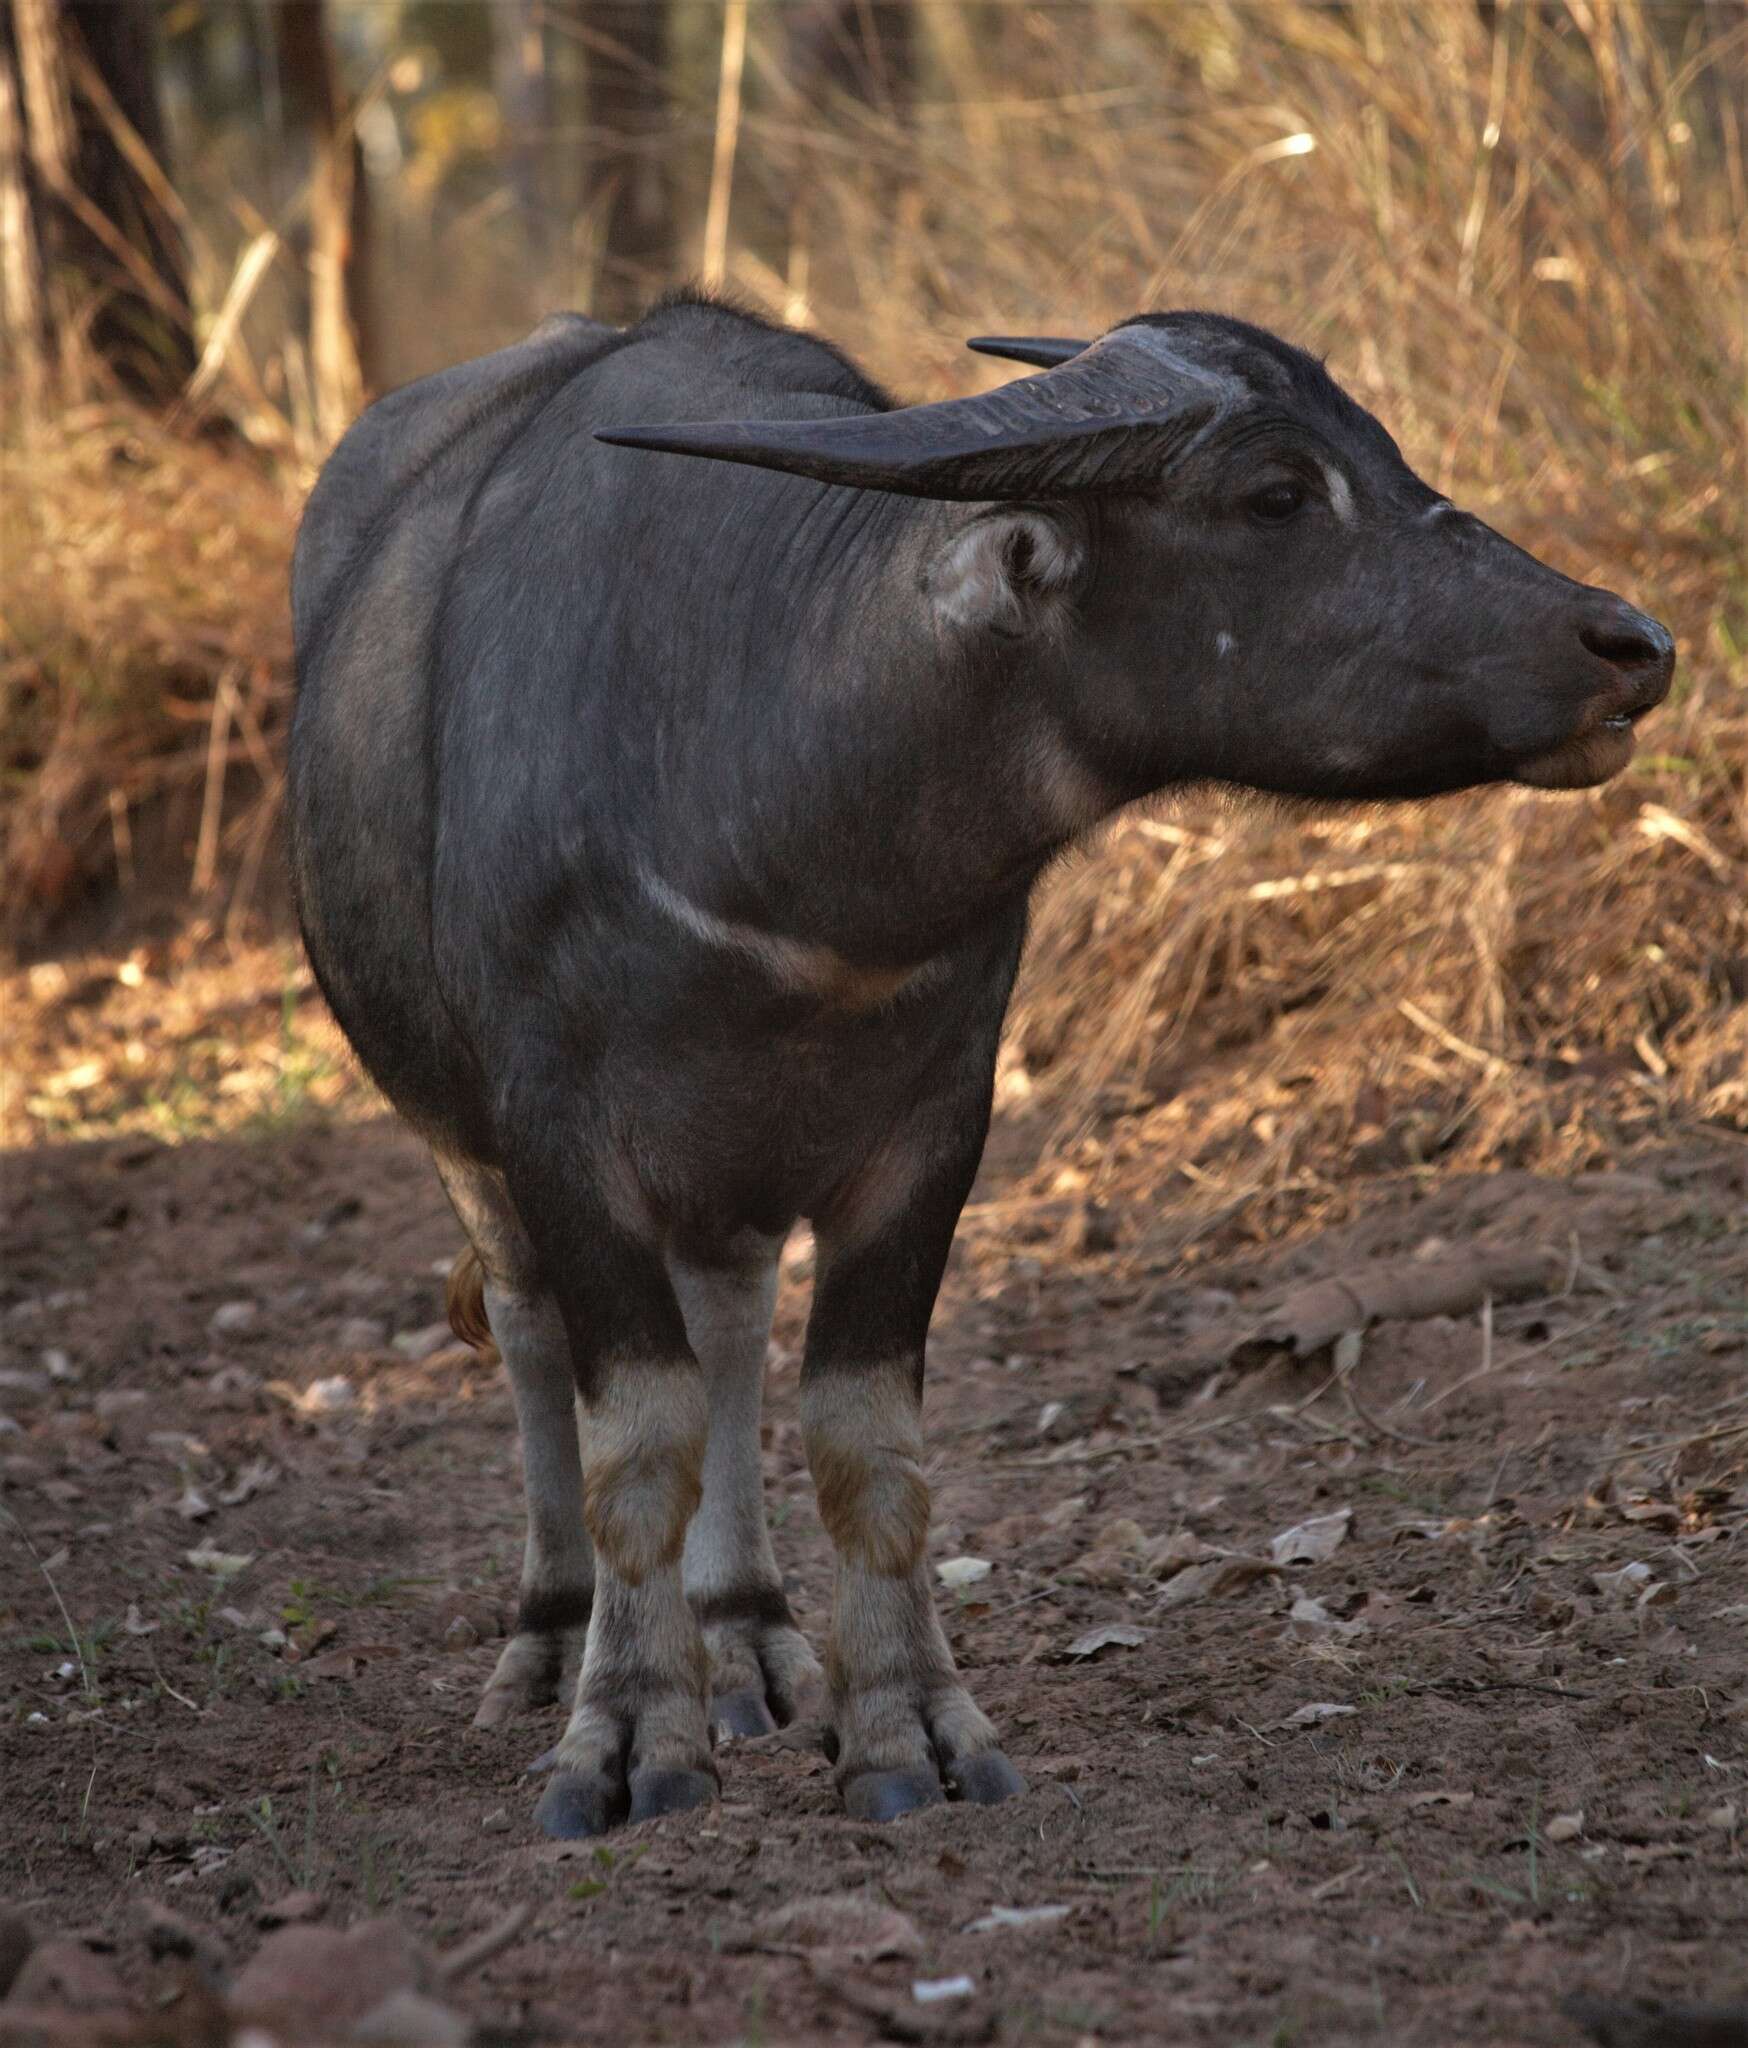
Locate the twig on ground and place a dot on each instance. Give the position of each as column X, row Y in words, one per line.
column 473, row 1955
column 72, row 1628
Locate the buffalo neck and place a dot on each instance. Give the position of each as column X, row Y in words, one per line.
column 877, row 785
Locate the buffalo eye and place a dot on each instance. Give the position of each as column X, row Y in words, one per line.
column 1276, row 503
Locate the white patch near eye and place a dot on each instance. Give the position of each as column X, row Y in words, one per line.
column 1340, row 493
column 1224, row 643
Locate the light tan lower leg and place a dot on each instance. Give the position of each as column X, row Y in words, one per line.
column 557, row 1569
column 641, row 1693
column 896, row 1699
column 730, row 1572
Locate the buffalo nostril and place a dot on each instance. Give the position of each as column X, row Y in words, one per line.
column 1628, row 639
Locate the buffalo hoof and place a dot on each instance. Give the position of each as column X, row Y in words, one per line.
column 543, row 1762
column 579, row 1803
column 655, row 1791
column 888, row 1795
column 741, row 1713
column 984, row 1780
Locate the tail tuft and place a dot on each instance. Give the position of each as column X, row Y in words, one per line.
column 465, row 1301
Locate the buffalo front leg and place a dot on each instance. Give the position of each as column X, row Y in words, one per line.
column 760, row 1664
column 906, row 1730
column 637, row 1743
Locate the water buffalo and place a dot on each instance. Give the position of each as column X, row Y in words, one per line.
column 681, row 727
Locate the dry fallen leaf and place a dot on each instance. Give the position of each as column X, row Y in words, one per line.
column 1114, row 1635
column 255, row 1477
column 963, row 1571
column 1166, row 1555
column 1440, row 1798
column 1319, row 1710
column 1219, row 1575
column 1312, row 1541
column 1656, row 1852
column 1310, row 1618
column 844, row 1924
column 1657, row 1511
column 225, row 1564
column 1109, row 1570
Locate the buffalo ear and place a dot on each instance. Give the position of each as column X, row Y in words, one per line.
column 1006, row 571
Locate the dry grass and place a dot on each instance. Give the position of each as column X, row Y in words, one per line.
column 145, row 662
column 1524, row 248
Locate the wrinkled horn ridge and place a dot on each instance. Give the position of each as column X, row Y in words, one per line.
column 1112, row 416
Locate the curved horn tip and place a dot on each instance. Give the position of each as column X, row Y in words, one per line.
column 1042, row 351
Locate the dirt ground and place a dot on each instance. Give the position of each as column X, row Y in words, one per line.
column 1484, row 1751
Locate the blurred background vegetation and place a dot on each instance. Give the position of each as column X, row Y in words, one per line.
column 1519, row 231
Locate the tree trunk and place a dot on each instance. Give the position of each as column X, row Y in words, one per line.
column 342, row 353
column 520, row 82
column 21, row 297
column 866, row 50
column 627, row 109
column 114, row 270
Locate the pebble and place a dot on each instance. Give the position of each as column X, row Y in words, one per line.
column 59, row 1367
column 932, row 1990
column 231, row 1381
column 233, row 1318
column 327, row 1397
column 33, row 1385
column 362, row 1333
column 68, row 1975
column 322, row 1983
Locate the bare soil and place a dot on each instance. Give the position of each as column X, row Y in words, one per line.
column 1417, row 1792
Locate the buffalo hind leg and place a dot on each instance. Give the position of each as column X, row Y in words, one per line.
column 494, row 1290
column 760, row 1664
column 905, row 1729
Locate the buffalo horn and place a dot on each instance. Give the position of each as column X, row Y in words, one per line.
column 1117, row 414
column 1042, row 351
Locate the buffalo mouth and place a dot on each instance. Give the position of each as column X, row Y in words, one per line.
column 1594, row 754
